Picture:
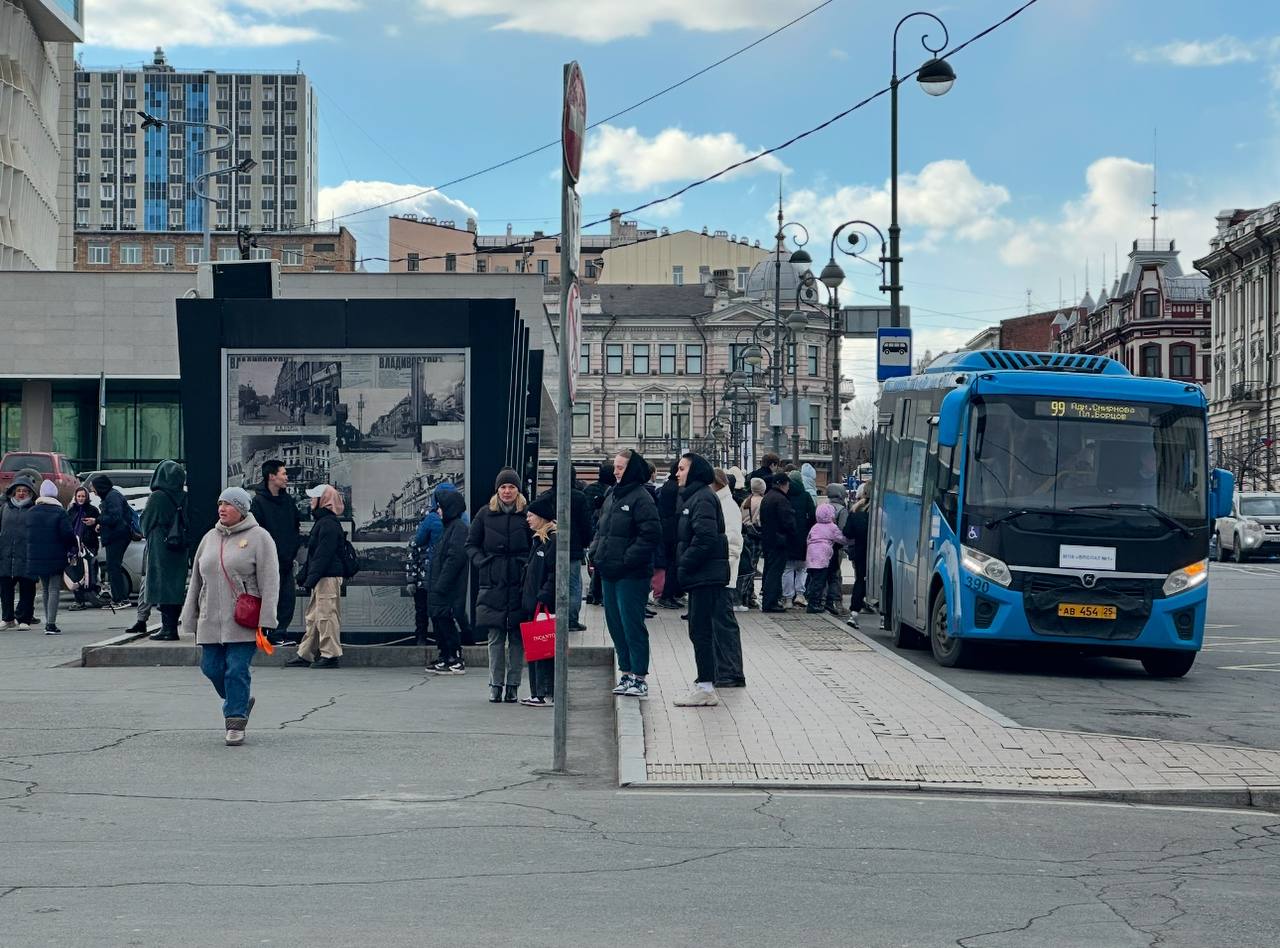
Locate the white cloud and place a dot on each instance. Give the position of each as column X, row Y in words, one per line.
column 370, row 227
column 144, row 24
column 1217, row 52
column 606, row 20
column 945, row 199
column 623, row 159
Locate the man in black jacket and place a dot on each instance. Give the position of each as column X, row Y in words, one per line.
column 777, row 532
column 321, row 578
column 669, row 512
column 627, row 537
column 276, row 512
column 448, row 572
column 702, row 560
column 580, row 533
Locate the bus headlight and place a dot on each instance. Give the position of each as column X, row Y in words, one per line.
column 1189, row 577
column 988, row 567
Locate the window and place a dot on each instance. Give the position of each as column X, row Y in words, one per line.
column 129, row 141
column 584, row 359
column 261, row 253
column 413, row 262
column 737, row 363
column 82, row 141
column 290, row 94
column 1149, row 359
column 640, row 360
column 693, row 360
column 82, row 166
column 677, row 276
column 626, row 419
column 613, row 359
column 290, row 192
column 129, row 217
column 667, row 359
column 163, row 256
column 175, row 192
column 108, row 192
column 1150, row 304
column 108, row 167
column 813, row 360
column 791, row 357
column 82, row 217
column 228, row 253
column 815, row 424
column 128, row 192
column 109, row 142
column 451, row 263
column 582, row 420
column 82, row 192
column 590, row 268
column 542, row 267
column 129, row 167
column 224, row 192
column 482, row 265
column 175, row 166
column 175, row 142
column 290, row 144
column 323, row 248
column 704, row 275
column 100, row 254
column 194, row 254
column 290, row 168
column 291, row 256
column 653, row 419
column 175, row 217
column 743, row 273
column 1182, row 361
column 130, row 255
column 268, row 143
column 269, row 168
column 680, row 422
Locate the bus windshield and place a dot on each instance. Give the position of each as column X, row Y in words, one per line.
column 1063, row 453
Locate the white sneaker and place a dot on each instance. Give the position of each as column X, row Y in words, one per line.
column 24, row 627
column 8, row 625
column 697, row 699
column 623, row 684
column 235, row 737
column 740, row 608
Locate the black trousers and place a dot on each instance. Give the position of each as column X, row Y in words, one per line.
column 26, row 590
column 728, row 643
column 815, row 588
column 671, row 588
column 834, row 577
column 542, row 678
column 421, row 617
column 287, row 602
column 704, row 603
column 447, row 639
column 169, row 618
column 858, row 598
column 115, row 571
column 775, row 561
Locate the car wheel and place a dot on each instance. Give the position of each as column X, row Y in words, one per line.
column 948, row 651
column 1222, row 550
column 1237, row 550
column 1167, row 663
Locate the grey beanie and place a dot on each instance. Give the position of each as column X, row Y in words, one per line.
column 238, row 498
column 836, row 491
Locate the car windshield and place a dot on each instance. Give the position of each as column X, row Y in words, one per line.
column 37, row 462
column 1064, row 454
column 1267, row 506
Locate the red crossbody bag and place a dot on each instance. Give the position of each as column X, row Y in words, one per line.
column 248, row 612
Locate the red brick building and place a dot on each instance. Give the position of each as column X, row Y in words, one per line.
column 1032, row 333
column 318, row 251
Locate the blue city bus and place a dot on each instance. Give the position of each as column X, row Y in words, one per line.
column 1043, row 497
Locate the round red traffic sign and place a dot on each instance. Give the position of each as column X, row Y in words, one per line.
column 573, row 124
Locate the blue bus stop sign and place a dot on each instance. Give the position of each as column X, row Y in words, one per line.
column 893, row 352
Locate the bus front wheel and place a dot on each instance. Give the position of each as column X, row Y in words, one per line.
column 1167, row 663
column 948, row 651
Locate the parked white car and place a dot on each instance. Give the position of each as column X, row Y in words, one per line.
column 1252, row 528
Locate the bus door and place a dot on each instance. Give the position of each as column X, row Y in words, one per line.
column 877, row 550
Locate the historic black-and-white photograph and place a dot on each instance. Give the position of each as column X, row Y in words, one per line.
column 271, row 390
column 381, row 565
column 442, row 444
column 387, row 410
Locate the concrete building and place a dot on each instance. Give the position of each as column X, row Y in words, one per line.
column 135, row 180
column 1034, row 332
column 628, row 254
column 1154, row 319
column 654, row 366
column 36, row 42
column 106, row 250
column 1245, row 392
column 61, row 330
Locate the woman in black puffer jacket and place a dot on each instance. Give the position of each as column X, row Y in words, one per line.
column 498, row 545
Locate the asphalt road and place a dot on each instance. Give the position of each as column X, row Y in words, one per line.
column 1231, row 695
column 388, row 807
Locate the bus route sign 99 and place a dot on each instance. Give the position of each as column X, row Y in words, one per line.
column 893, row 352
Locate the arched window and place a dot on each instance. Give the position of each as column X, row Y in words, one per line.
column 1149, row 359
column 1182, row 360
column 1150, row 305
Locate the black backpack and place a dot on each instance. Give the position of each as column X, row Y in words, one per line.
column 350, row 559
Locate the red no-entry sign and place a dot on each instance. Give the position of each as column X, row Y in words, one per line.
column 573, row 126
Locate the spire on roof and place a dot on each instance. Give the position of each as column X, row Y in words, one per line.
column 1087, row 302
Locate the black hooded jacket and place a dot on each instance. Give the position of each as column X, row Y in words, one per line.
column 539, row 583
column 446, row 594
column 595, row 493
column 324, row 549
column 629, row 532
column 702, row 551
column 777, row 521
column 278, row 515
column 580, row 519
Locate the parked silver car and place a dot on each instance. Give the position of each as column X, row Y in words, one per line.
column 1252, row 528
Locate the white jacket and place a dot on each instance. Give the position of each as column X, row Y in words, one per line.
column 732, row 531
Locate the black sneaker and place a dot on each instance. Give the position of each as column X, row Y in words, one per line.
column 52, row 629
column 298, row 662
column 163, row 636
column 439, row 667
column 457, row 667
column 138, row 628
column 326, row 661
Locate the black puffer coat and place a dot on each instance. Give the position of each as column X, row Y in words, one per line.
column 777, row 521
column 539, row 586
column 702, row 547
column 324, row 549
column 446, row 594
column 629, row 532
column 49, row 538
column 498, row 545
column 14, row 523
column 278, row 515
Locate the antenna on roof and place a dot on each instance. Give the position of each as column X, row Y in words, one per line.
column 1154, row 194
column 1028, row 301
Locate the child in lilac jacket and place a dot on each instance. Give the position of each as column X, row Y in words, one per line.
column 819, row 550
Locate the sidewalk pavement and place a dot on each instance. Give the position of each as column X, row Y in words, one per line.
column 828, row 707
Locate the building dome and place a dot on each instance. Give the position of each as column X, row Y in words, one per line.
column 760, row 282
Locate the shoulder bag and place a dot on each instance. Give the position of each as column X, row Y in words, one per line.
column 248, row 611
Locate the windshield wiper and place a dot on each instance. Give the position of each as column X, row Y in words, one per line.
column 1152, row 509
column 1038, row 510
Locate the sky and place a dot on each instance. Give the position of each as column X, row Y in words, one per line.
column 1036, row 168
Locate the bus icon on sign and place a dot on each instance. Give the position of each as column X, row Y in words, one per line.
column 893, row 352
column 894, row 347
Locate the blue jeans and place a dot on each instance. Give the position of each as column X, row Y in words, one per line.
column 227, row 666
column 575, row 591
column 624, row 601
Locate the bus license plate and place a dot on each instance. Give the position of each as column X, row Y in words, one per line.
column 1074, row 610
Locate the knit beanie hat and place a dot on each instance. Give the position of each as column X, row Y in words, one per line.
column 506, row 476
column 757, row 485
column 544, row 505
column 238, row 498
column 48, row 489
column 835, row 491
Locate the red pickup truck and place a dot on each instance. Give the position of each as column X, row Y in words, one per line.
column 52, row 467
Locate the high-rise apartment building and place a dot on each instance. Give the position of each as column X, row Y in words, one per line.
column 130, row 178
column 36, row 64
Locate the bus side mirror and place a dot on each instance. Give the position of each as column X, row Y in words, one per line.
column 950, row 414
column 1222, row 489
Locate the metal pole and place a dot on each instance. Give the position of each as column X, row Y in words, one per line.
column 775, row 380
column 795, row 397
column 895, row 290
column 836, row 428
column 564, row 481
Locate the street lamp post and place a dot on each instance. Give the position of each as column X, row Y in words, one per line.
column 797, row 322
column 832, row 276
column 684, row 404
column 936, row 77
column 798, row 256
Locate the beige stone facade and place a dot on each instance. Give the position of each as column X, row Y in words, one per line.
column 107, row 250
column 683, row 257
